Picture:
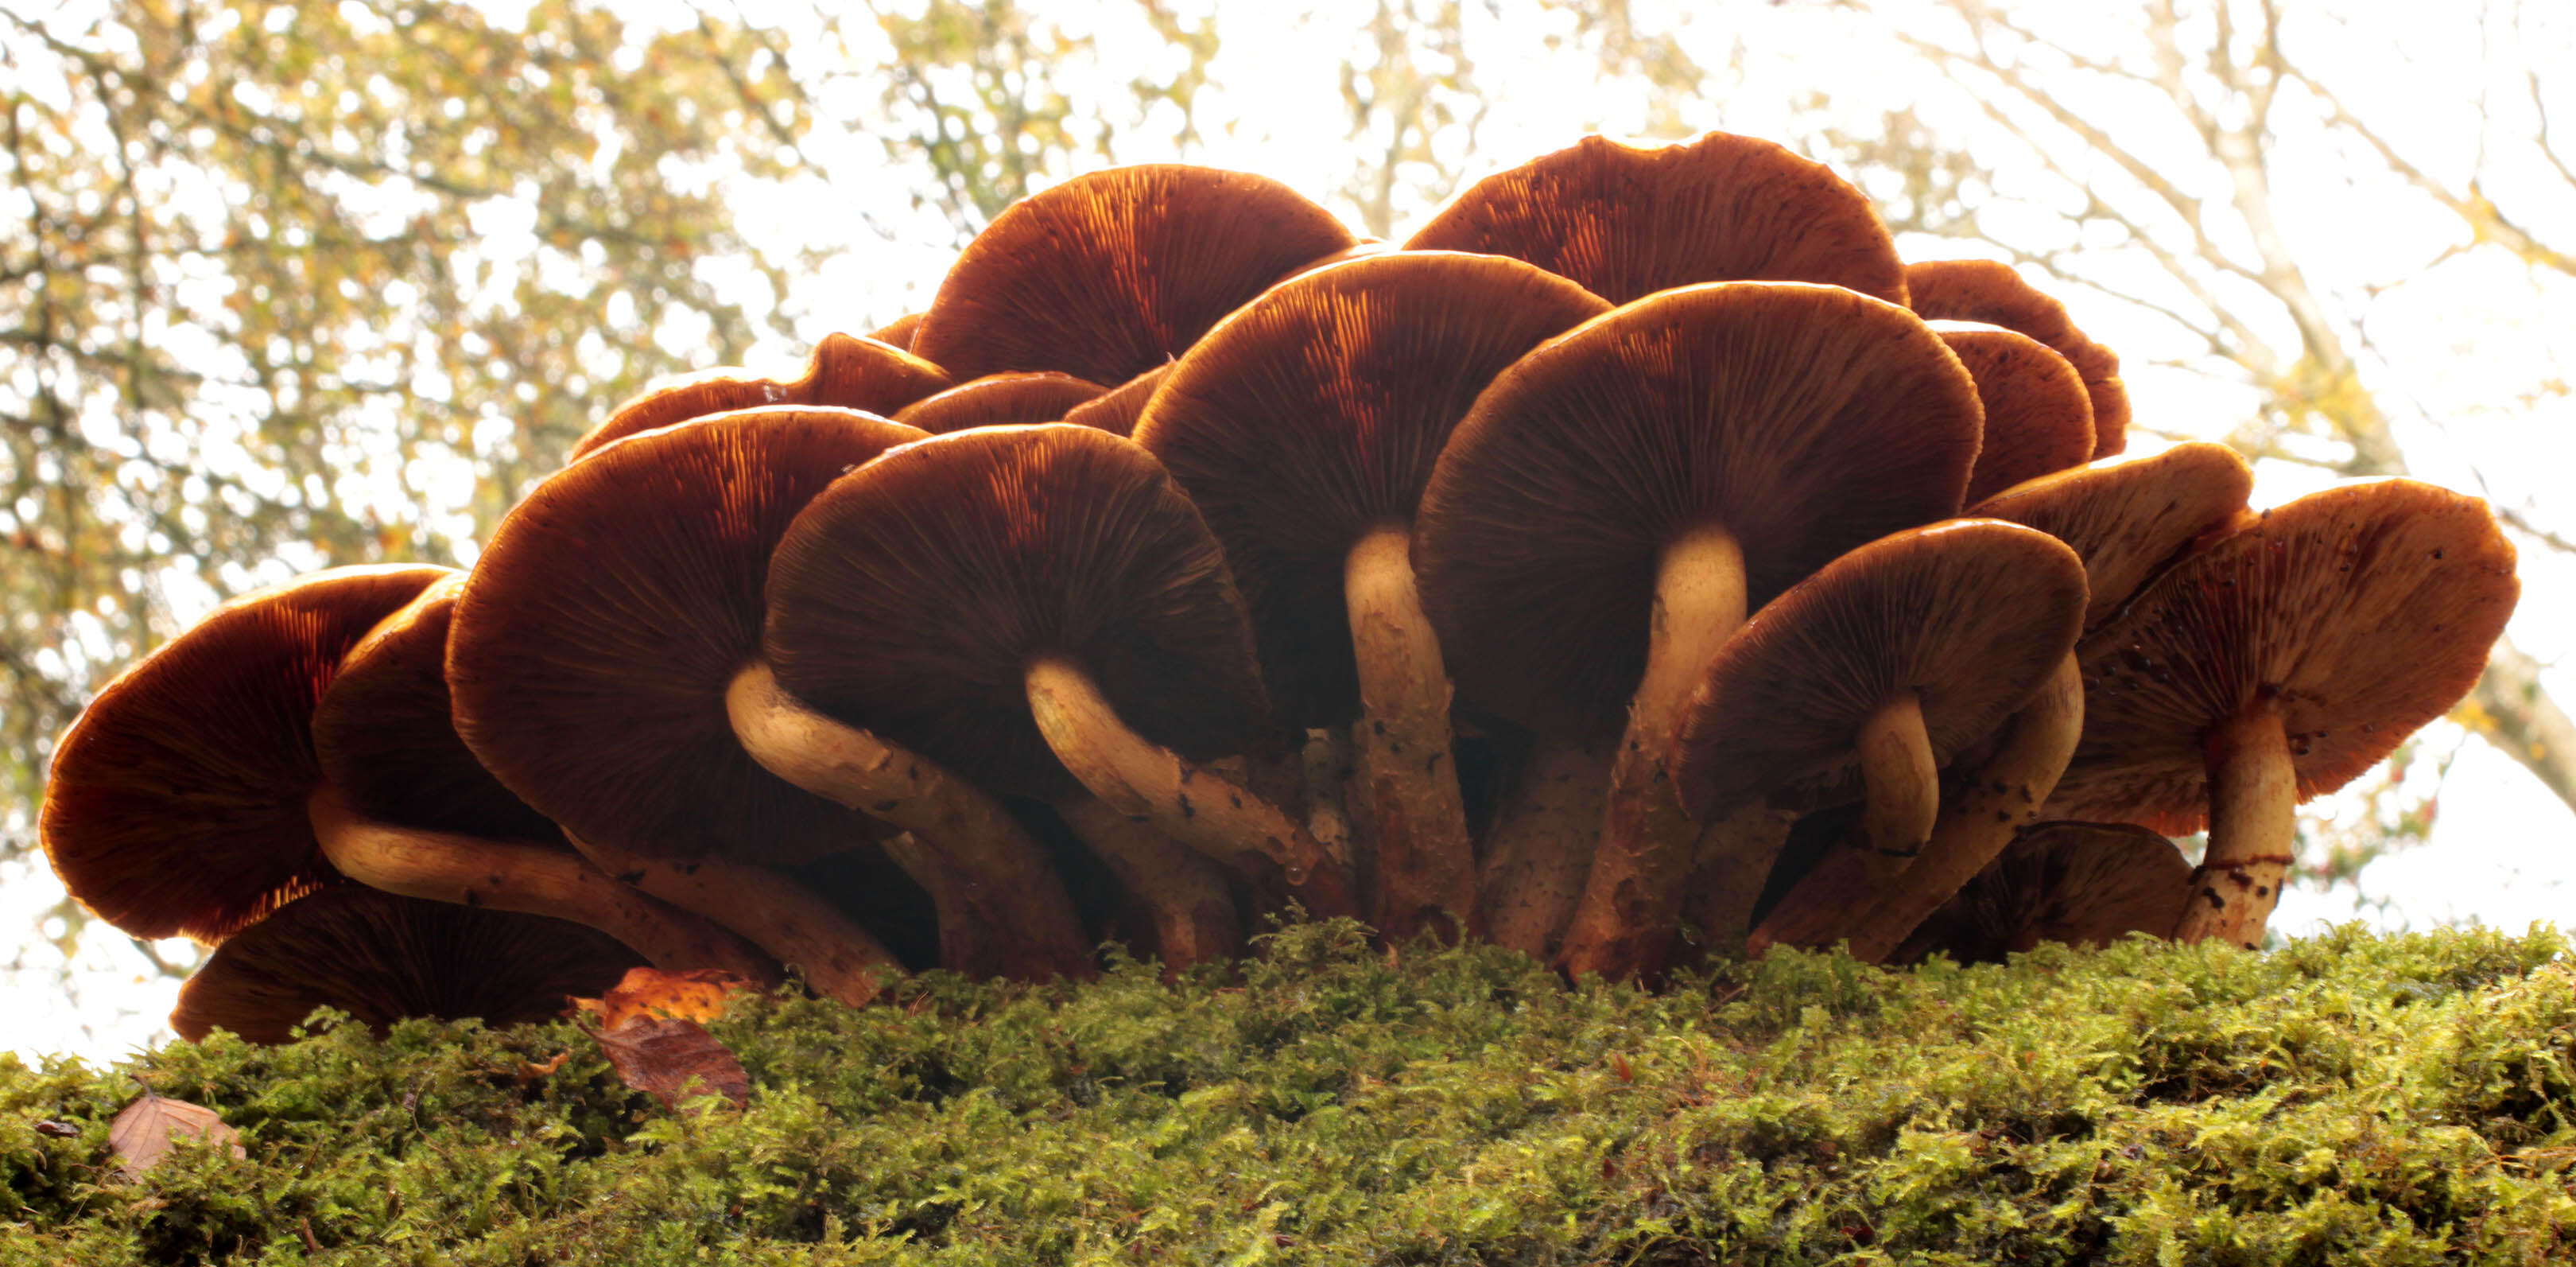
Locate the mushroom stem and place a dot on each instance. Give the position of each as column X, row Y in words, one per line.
column 1326, row 763
column 1185, row 800
column 2253, row 821
column 841, row 960
column 1426, row 865
column 1904, row 785
column 1735, row 854
column 1818, row 909
column 1193, row 913
column 989, row 871
column 1634, row 891
column 528, row 879
column 1981, row 813
column 1541, row 847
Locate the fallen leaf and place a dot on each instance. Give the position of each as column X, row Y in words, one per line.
column 141, row 1134
column 531, row 1071
column 56, row 1130
column 696, row 995
column 665, row 1055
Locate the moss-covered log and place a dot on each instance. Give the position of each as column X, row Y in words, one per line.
column 2348, row 1099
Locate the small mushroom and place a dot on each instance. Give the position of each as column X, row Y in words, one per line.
column 380, row 958
column 865, row 374
column 1000, row 400
column 1624, row 221
column 2277, row 664
column 2038, row 417
column 2084, row 884
column 1983, row 290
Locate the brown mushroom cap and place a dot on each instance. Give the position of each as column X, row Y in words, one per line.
column 1112, row 273
column 898, row 332
column 594, row 642
column 1804, row 420
column 1116, row 410
column 2084, row 884
column 1314, row 414
column 2038, row 417
column 1625, row 222
column 1000, row 400
column 1987, row 291
column 381, row 958
column 1970, row 615
column 175, row 804
column 385, row 733
column 912, row 597
column 2126, row 517
column 845, row 372
column 2359, row 613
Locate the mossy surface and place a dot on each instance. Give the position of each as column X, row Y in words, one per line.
column 2349, row 1099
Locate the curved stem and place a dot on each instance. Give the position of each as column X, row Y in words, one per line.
column 1735, row 855
column 988, row 870
column 841, row 960
column 1904, row 788
column 1185, row 800
column 1541, row 847
column 528, row 879
column 1426, row 865
column 2253, row 822
column 1633, row 895
column 1981, row 813
column 1194, row 919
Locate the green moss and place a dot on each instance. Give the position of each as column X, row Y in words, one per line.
column 2348, row 1099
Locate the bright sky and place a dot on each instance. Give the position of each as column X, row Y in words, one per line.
column 2465, row 346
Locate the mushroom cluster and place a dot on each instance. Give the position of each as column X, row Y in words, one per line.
column 1639, row 563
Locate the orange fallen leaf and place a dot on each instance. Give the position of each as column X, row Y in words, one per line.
column 671, row 1058
column 141, row 1135
column 696, row 995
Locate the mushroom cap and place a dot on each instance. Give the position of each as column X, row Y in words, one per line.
column 1803, row 419
column 1625, row 221
column 2084, row 884
column 1971, row 615
column 175, row 804
column 1987, row 291
column 1115, row 272
column 2126, row 517
column 591, row 649
column 846, row 372
column 1000, row 400
column 380, row 958
column 385, row 733
column 1314, row 414
column 898, row 332
column 2361, row 613
column 2038, row 417
column 912, row 596
column 1116, row 410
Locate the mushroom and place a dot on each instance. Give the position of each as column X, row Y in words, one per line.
column 2125, row 517
column 1877, row 669
column 1618, row 500
column 1540, row 851
column 2084, row 884
column 1625, row 221
column 1000, row 400
column 381, row 957
column 1983, row 290
column 1116, row 410
column 1303, row 428
column 1113, row 273
column 844, row 372
column 593, row 649
column 1040, row 609
column 385, row 734
column 898, row 332
column 2277, row 664
column 2038, row 418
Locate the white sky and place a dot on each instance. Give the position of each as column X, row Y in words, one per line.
column 2464, row 345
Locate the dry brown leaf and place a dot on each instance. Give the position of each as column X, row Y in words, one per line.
column 696, row 995
column 532, row 1071
column 664, row 1056
column 141, row 1134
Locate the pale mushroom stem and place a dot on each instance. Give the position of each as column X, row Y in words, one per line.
column 1735, row 855
column 1326, row 770
column 2253, row 822
column 1194, row 918
column 993, row 883
column 1426, row 865
column 1981, row 814
column 1904, row 787
column 1183, row 799
column 1541, row 847
column 528, row 879
column 841, row 960
column 1633, row 894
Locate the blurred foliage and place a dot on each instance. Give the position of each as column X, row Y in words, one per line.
column 2349, row 1099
